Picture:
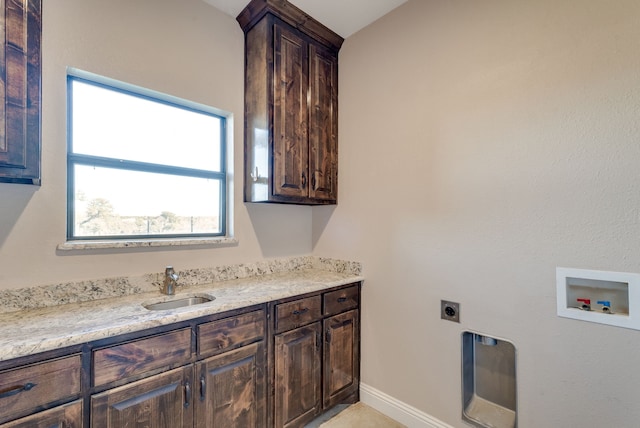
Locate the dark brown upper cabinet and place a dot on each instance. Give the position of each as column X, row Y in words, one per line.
column 291, row 105
column 20, row 71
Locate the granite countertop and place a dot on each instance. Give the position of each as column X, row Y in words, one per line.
column 30, row 331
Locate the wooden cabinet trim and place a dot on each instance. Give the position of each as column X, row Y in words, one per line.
column 292, row 15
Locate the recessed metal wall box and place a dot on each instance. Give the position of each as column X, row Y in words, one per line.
column 489, row 393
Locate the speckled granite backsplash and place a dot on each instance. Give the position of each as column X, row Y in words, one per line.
column 82, row 291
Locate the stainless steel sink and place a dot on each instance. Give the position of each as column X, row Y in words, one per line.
column 178, row 303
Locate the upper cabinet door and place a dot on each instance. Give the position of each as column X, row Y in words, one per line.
column 290, row 114
column 291, row 105
column 323, row 124
column 20, row 70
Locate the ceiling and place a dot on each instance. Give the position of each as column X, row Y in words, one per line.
column 345, row 17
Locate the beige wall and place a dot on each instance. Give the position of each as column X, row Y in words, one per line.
column 184, row 48
column 482, row 144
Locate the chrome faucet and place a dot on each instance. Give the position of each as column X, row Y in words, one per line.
column 170, row 281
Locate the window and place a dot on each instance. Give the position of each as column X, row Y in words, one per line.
column 142, row 165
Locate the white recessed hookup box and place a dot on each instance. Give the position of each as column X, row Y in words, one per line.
column 599, row 296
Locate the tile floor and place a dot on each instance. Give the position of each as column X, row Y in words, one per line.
column 354, row 416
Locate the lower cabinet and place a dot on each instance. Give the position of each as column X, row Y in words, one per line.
column 316, row 353
column 225, row 391
column 222, row 387
column 231, row 389
column 341, row 362
column 233, row 370
column 66, row 416
column 298, row 359
column 163, row 400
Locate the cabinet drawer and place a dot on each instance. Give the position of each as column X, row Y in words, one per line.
column 26, row 388
column 341, row 300
column 229, row 333
column 66, row 416
column 299, row 312
column 139, row 356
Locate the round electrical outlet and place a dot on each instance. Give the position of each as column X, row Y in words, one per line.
column 450, row 311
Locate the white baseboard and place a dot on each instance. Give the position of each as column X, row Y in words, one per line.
column 395, row 409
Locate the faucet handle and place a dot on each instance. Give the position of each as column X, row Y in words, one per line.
column 170, row 281
column 170, row 273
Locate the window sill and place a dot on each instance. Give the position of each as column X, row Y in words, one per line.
column 147, row 243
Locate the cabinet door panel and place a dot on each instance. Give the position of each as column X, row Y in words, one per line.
column 161, row 401
column 20, row 92
column 341, row 357
column 231, row 389
column 297, row 376
column 323, row 124
column 67, row 416
column 290, row 117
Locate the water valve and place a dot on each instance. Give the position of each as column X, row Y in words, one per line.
column 606, row 306
column 586, row 304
